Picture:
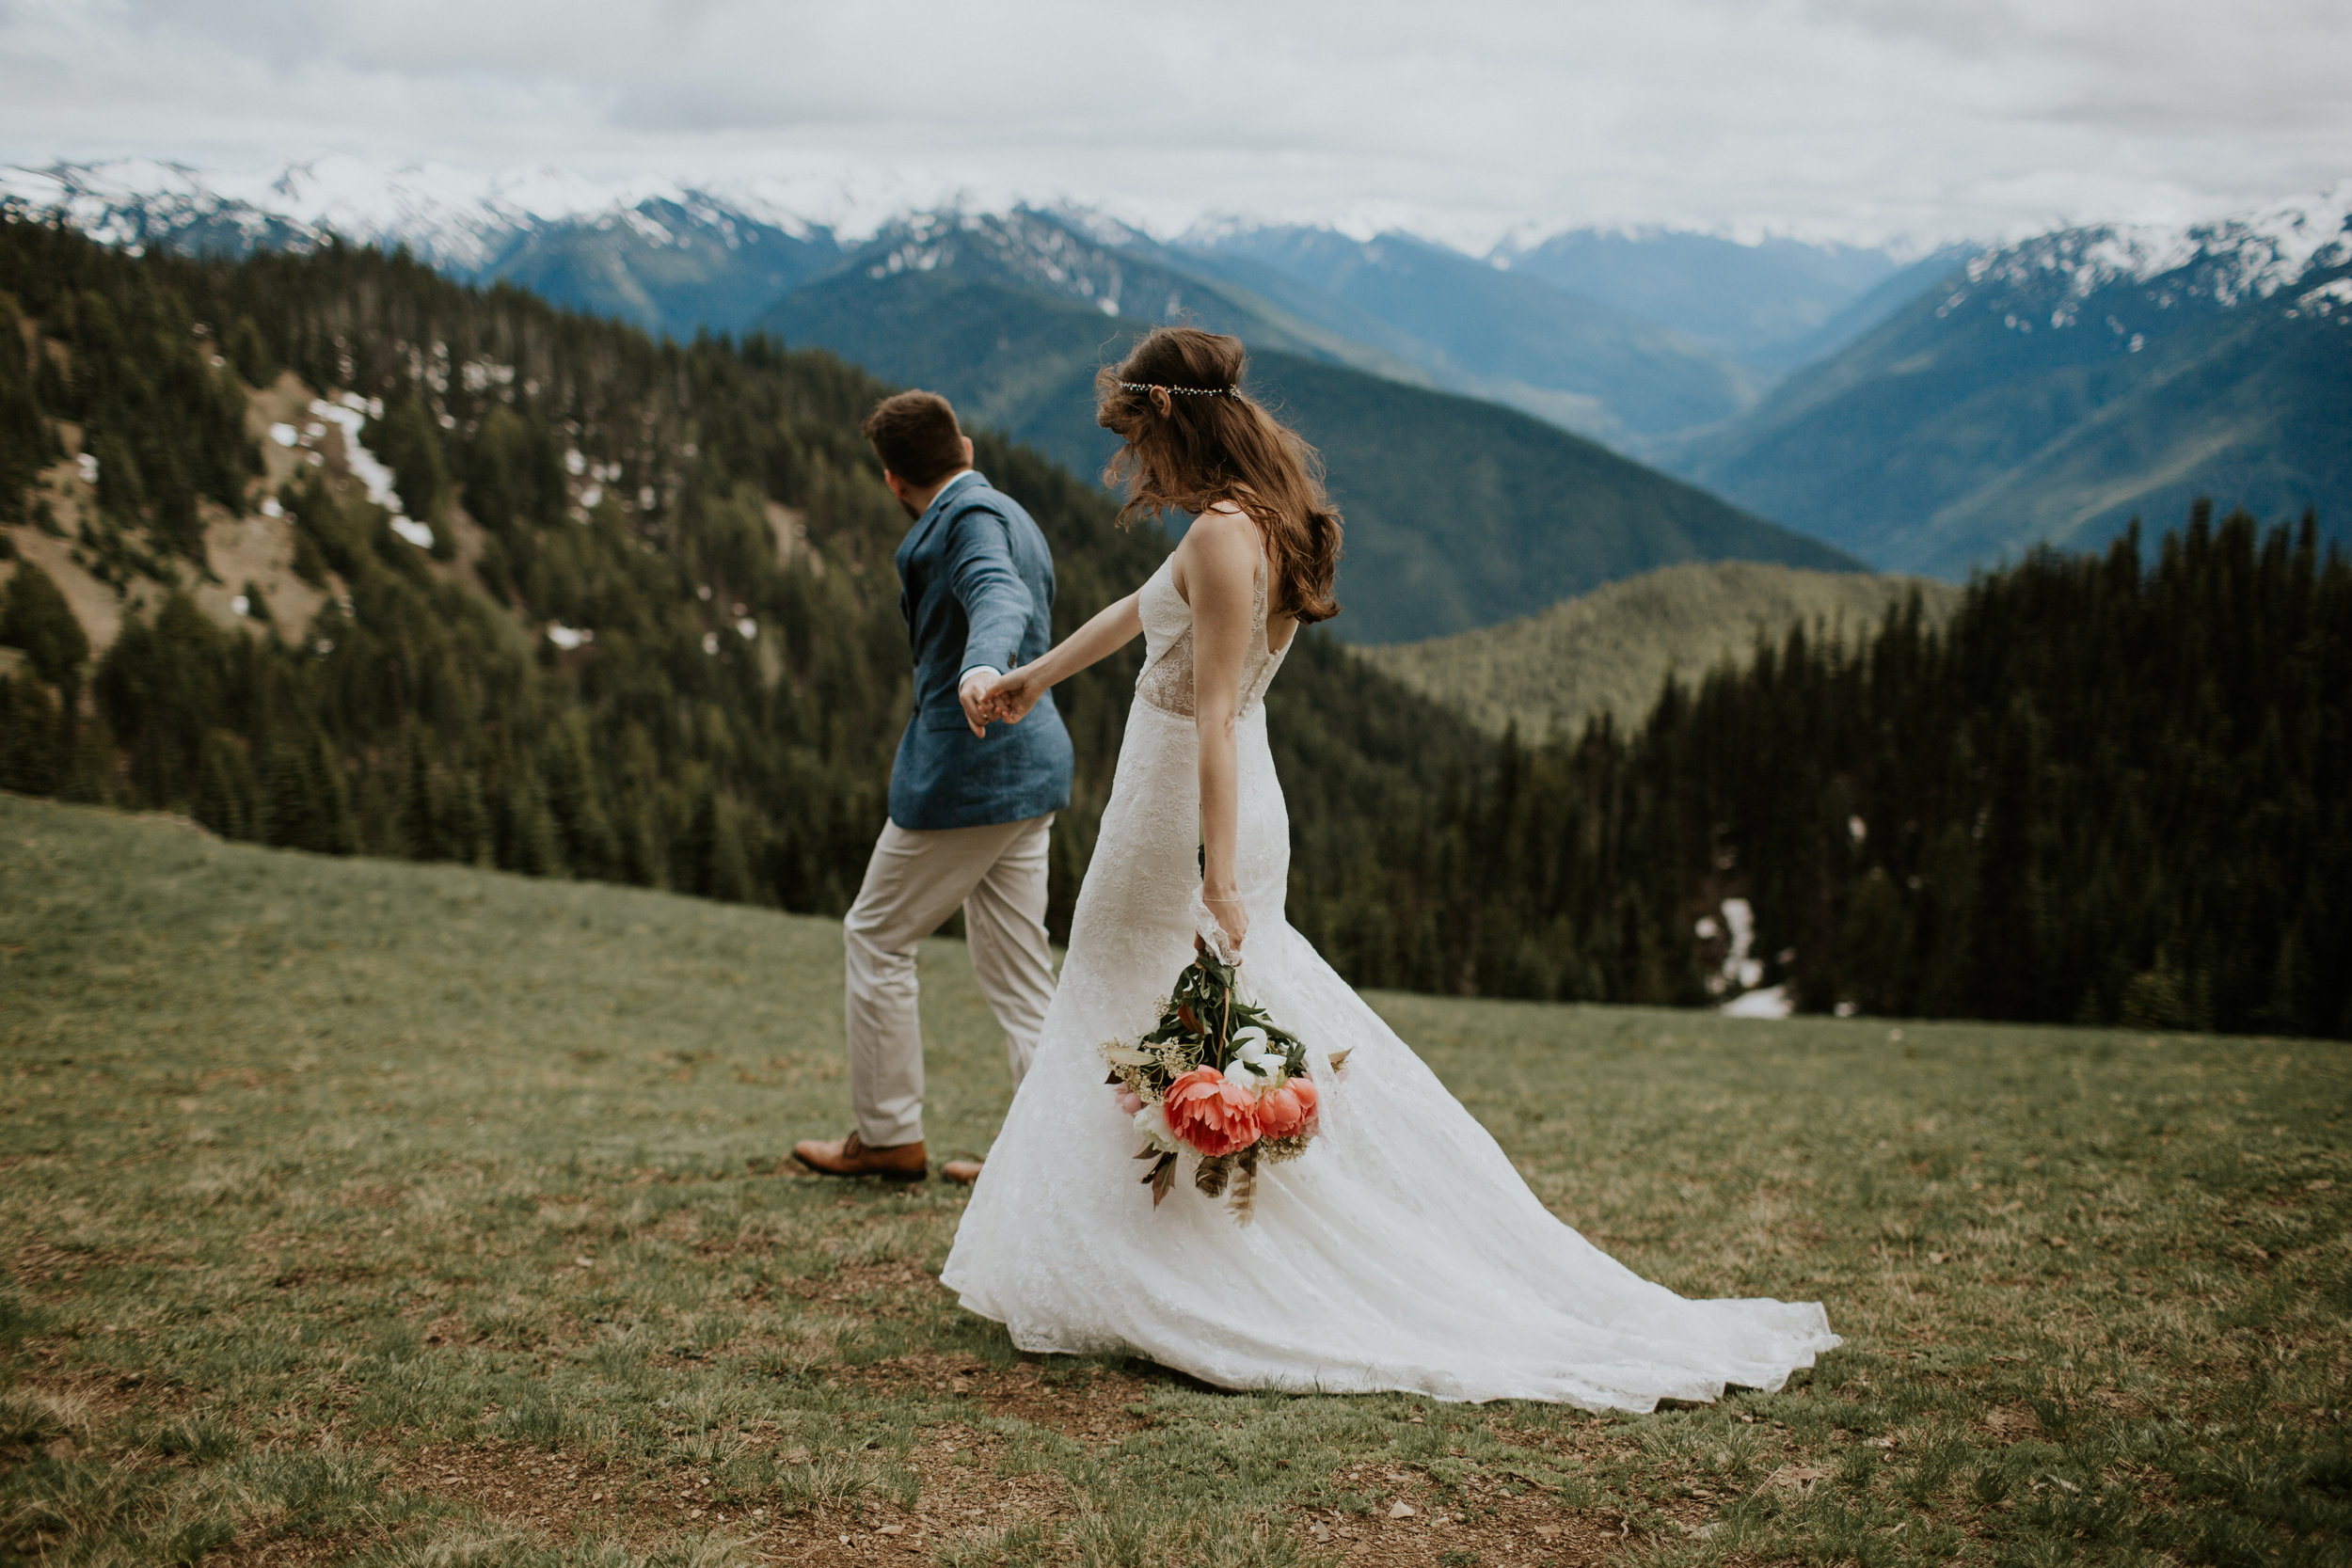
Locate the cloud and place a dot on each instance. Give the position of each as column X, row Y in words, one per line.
column 1838, row 118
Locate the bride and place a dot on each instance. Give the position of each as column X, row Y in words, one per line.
column 1402, row 1251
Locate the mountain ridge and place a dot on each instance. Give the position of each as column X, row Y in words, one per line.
column 676, row 257
column 2057, row 387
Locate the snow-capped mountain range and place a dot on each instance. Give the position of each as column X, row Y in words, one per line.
column 1913, row 393
column 2222, row 262
column 457, row 218
column 466, row 220
column 476, row 223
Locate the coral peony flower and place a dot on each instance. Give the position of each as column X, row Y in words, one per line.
column 1305, row 1090
column 1212, row 1116
column 1280, row 1114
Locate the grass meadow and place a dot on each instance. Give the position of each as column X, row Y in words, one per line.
column 1610, row 651
column 373, row 1212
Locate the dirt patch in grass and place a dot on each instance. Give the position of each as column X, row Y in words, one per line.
column 41, row 1268
column 46, row 1404
column 848, row 1284
column 953, row 1513
column 1087, row 1403
column 521, row 1485
column 291, row 1549
column 1526, row 1532
column 2011, row 1423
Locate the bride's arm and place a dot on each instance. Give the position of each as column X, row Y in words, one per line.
column 1010, row 697
column 1221, row 573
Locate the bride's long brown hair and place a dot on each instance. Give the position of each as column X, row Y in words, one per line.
column 1194, row 438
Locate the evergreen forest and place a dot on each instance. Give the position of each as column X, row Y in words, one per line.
column 655, row 638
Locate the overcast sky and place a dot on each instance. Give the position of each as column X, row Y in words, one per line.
column 1824, row 117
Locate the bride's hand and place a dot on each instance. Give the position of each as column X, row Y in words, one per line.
column 1010, row 697
column 1231, row 913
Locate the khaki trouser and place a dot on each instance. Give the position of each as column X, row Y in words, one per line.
column 914, row 882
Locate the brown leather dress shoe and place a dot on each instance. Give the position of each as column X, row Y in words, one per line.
column 963, row 1171
column 851, row 1157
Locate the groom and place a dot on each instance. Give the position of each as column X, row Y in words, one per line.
column 969, row 810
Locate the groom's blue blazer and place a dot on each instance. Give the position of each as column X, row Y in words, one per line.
column 976, row 587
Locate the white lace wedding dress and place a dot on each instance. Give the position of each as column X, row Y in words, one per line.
column 1402, row 1252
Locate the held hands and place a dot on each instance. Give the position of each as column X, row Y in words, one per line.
column 973, row 694
column 981, row 706
column 1005, row 698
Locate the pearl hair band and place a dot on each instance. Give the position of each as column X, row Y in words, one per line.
column 1186, row 391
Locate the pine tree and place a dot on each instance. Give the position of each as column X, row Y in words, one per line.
column 225, row 790
column 34, row 616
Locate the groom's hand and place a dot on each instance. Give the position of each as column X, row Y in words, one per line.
column 1009, row 698
column 974, row 695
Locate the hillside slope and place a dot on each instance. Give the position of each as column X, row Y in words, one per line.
column 1460, row 513
column 1610, row 651
column 420, row 570
column 2063, row 387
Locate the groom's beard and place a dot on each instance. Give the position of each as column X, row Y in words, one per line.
column 908, row 507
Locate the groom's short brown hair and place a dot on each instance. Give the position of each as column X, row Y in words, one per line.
column 915, row 436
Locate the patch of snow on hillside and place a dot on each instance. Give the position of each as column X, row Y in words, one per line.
column 2330, row 298
column 1771, row 1002
column 349, row 416
column 1099, row 225
column 1741, row 973
column 481, row 374
column 1738, row 967
column 647, row 227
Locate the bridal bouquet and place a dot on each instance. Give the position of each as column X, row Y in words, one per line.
column 1217, row 1078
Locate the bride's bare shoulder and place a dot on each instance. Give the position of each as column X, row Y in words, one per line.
column 1222, row 528
column 1220, row 548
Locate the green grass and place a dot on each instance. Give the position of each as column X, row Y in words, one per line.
column 1610, row 651
column 359, row 1210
